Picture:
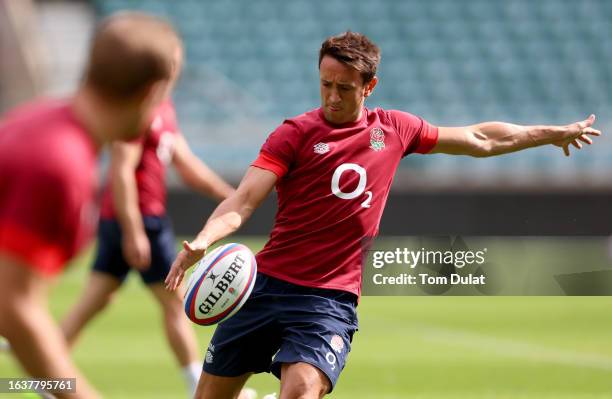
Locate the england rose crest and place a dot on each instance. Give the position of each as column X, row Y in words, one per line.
column 336, row 343
column 321, row 148
column 377, row 139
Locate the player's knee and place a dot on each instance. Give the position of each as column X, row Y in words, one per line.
column 14, row 303
column 175, row 318
column 173, row 308
column 103, row 302
column 8, row 314
column 304, row 382
column 215, row 387
column 92, row 304
column 14, row 316
column 304, row 390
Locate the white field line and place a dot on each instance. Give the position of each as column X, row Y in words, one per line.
column 516, row 349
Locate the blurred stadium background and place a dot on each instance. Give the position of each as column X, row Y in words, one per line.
column 250, row 64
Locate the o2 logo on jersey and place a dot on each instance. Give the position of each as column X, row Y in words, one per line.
column 165, row 148
column 359, row 190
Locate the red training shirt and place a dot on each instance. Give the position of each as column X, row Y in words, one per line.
column 157, row 150
column 48, row 178
column 332, row 189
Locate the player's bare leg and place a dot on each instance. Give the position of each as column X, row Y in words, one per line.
column 35, row 339
column 98, row 293
column 215, row 387
column 179, row 333
column 304, row 381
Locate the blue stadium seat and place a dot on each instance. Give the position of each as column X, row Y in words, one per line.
column 450, row 61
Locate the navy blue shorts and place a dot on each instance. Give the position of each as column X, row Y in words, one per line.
column 109, row 258
column 285, row 323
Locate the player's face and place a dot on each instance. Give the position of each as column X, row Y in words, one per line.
column 342, row 91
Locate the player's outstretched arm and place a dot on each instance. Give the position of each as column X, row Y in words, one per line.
column 496, row 138
column 134, row 241
column 226, row 219
column 196, row 174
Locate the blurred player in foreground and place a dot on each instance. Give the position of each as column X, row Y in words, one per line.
column 134, row 232
column 48, row 159
column 332, row 168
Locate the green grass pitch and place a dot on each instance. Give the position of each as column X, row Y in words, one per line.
column 407, row 347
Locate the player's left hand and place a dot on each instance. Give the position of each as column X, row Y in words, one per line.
column 192, row 253
column 136, row 250
column 576, row 133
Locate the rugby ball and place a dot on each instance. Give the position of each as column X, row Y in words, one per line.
column 220, row 284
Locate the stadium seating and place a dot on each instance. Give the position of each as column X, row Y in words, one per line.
column 253, row 63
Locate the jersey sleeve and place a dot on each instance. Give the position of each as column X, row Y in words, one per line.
column 279, row 151
column 416, row 134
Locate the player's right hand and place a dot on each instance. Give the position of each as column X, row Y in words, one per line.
column 191, row 254
column 137, row 250
column 577, row 132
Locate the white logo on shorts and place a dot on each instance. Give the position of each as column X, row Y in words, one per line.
column 331, row 359
column 209, row 357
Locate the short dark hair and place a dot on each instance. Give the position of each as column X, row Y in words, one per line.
column 355, row 50
column 130, row 51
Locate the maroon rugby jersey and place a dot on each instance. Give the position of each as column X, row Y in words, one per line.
column 48, row 181
column 157, row 149
column 332, row 189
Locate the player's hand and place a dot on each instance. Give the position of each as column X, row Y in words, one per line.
column 137, row 250
column 192, row 253
column 577, row 133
